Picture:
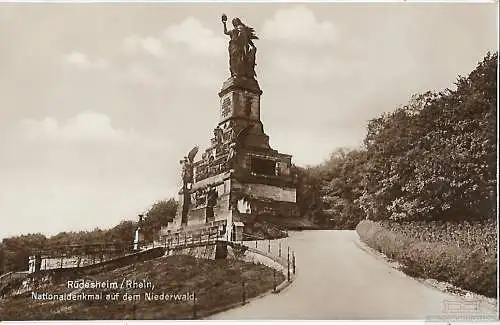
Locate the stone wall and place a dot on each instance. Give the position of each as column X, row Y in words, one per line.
column 221, row 210
column 198, row 215
column 207, row 251
column 270, row 192
column 262, row 209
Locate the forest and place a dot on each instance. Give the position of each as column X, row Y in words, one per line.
column 433, row 159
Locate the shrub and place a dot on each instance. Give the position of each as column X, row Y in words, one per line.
column 467, row 267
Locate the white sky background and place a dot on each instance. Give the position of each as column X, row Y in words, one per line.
column 98, row 102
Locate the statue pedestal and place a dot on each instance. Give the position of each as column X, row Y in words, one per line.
column 239, row 164
column 243, row 83
column 240, row 109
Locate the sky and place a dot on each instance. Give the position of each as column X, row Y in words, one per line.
column 98, row 102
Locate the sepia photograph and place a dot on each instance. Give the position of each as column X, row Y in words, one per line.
column 249, row 161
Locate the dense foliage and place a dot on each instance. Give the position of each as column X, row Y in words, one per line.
column 447, row 252
column 432, row 159
column 161, row 213
column 330, row 191
column 479, row 235
column 435, row 158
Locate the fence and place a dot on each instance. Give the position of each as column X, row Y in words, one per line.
column 189, row 238
column 9, row 281
column 79, row 255
column 276, row 252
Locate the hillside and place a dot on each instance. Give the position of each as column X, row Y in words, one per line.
column 212, row 283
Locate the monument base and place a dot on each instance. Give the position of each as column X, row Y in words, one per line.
column 239, row 174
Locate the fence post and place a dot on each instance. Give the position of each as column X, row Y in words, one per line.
column 288, row 264
column 243, row 292
column 279, row 247
column 274, row 279
column 269, row 246
column 293, row 262
column 194, row 306
column 255, row 243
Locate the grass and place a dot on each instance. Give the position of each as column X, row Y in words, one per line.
column 429, row 252
column 215, row 284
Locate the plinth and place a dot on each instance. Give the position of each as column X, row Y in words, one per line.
column 239, row 178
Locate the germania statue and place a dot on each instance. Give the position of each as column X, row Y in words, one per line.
column 241, row 48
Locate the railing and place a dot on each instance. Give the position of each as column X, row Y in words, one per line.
column 10, row 279
column 6, row 277
column 275, row 250
column 192, row 236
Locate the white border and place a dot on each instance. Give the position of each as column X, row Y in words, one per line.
column 353, row 322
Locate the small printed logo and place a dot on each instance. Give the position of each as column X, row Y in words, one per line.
column 462, row 310
column 461, row 306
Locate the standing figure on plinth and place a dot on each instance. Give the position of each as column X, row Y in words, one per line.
column 187, row 172
column 187, row 182
column 231, row 156
column 241, row 48
column 218, row 133
column 212, row 196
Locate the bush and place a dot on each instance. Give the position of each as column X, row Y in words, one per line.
column 469, row 268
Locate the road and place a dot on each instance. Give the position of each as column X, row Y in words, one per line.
column 339, row 278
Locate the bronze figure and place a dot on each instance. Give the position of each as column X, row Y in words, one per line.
column 242, row 50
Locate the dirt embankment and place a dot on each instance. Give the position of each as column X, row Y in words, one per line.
column 180, row 287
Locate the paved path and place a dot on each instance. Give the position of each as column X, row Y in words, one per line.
column 338, row 279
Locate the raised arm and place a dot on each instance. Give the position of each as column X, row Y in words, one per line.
column 224, row 20
column 225, row 28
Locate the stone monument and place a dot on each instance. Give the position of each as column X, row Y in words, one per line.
column 239, row 178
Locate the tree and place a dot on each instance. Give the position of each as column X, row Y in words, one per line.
column 123, row 233
column 161, row 213
column 17, row 250
column 330, row 191
column 434, row 159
